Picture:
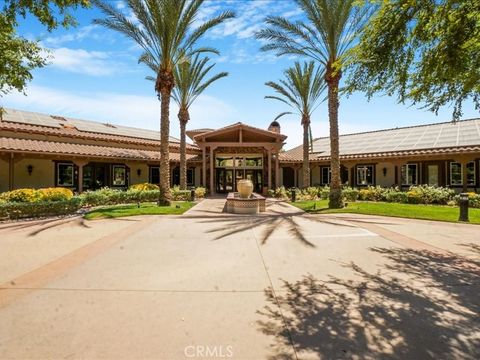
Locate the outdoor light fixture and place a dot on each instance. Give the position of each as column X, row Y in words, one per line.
column 384, row 170
column 139, row 172
column 30, row 169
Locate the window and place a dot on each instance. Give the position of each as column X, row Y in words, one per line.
column 325, row 174
column 365, row 175
column 65, row 174
column 253, row 161
column 456, row 176
column 224, row 161
column 154, row 175
column 410, row 174
column 119, row 177
column 191, row 176
column 471, row 180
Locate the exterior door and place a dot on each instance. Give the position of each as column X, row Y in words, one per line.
column 255, row 176
column 432, row 175
column 224, row 180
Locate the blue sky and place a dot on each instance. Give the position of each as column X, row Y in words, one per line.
column 94, row 75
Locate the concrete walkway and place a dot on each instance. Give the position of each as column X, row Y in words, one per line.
column 284, row 285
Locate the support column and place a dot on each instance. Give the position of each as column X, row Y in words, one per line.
column 80, row 165
column 269, row 169
column 295, row 176
column 277, row 171
column 464, row 175
column 11, row 172
column 212, row 190
column 204, row 167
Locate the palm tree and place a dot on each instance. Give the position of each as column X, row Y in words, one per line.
column 190, row 83
column 301, row 90
column 327, row 35
column 165, row 31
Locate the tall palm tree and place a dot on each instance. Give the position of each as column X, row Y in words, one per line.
column 300, row 89
column 165, row 31
column 329, row 32
column 190, row 83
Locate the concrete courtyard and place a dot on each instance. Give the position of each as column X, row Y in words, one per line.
column 206, row 285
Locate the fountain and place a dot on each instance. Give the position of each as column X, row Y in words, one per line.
column 245, row 201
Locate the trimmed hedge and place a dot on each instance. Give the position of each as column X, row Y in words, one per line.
column 422, row 194
column 35, row 195
column 21, row 210
column 108, row 196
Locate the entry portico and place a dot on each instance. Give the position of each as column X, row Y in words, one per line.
column 239, row 151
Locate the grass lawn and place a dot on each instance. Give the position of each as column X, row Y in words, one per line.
column 177, row 208
column 426, row 212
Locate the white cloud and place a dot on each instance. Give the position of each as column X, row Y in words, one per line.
column 94, row 63
column 120, row 5
column 122, row 109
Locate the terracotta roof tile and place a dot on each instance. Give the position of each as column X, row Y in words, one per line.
column 51, row 147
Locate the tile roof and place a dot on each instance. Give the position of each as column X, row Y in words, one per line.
column 26, row 121
column 82, row 150
column 245, row 126
column 463, row 135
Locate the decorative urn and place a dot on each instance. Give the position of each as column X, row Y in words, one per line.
column 245, row 188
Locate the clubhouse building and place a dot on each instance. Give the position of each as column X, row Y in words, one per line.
column 41, row 150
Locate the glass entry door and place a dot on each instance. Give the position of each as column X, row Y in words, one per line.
column 224, row 180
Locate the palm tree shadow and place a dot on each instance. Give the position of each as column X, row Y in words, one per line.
column 430, row 314
column 266, row 224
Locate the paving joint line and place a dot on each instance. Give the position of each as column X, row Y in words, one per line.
column 290, row 337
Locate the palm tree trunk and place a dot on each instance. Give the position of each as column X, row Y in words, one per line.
column 306, row 151
column 333, row 78
column 183, row 116
column 164, row 86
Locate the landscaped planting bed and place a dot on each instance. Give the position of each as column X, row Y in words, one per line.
column 422, row 194
column 34, row 203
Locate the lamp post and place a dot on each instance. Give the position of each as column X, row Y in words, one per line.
column 463, row 204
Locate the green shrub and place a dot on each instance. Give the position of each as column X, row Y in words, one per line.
column 371, row 193
column 21, row 210
column 323, row 192
column 432, row 194
column 143, row 187
column 473, row 200
column 349, row 194
column 200, row 192
column 310, row 193
column 180, row 195
column 280, row 193
column 395, row 195
column 107, row 196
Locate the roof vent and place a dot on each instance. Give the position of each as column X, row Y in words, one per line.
column 56, row 117
column 110, row 125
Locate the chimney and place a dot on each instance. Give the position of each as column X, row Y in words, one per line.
column 274, row 127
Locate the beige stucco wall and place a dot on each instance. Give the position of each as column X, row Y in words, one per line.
column 315, row 175
column 3, row 175
column 43, row 174
column 389, row 179
column 134, row 178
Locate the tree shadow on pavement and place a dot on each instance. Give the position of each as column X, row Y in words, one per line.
column 266, row 225
column 422, row 305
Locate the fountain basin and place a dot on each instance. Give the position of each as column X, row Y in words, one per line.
column 239, row 205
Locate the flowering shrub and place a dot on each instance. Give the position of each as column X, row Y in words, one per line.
column 107, row 196
column 372, row 193
column 200, row 192
column 34, row 195
column 349, row 194
column 180, row 195
column 21, row 210
column 143, row 187
column 280, row 193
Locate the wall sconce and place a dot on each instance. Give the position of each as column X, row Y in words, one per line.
column 384, row 170
column 139, row 172
column 30, row 169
